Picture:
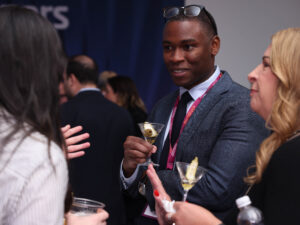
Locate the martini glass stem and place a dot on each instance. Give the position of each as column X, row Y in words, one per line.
column 149, row 160
column 185, row 195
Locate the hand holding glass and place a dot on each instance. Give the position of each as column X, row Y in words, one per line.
column 83, row 206
column 186, row 181
column 150, row 132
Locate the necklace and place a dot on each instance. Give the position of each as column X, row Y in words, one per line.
column 295, row 134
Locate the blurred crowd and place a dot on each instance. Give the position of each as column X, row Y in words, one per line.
column 71, row 131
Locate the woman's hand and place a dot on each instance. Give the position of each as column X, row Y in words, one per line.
column 98, row 218
column 74, row 149
column 186, row 213
column 159, row 195
column 191, row 214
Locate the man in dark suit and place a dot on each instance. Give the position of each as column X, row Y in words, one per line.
column 219, row 128
column 96, row 174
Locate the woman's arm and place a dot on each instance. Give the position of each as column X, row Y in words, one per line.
column 186, row 213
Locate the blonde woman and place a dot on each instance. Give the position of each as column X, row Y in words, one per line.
column 275, row 184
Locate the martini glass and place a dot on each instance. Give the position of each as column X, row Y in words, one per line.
column 188, row 181
column 150, row 132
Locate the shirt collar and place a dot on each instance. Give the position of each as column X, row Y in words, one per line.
column 88, row 89
column 201, row 88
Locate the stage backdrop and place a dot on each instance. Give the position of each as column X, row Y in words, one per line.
column 124, row 36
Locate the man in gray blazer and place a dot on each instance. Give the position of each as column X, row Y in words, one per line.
column 220, row 128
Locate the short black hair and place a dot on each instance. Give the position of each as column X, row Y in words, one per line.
column 85, row 73
column 205, row 18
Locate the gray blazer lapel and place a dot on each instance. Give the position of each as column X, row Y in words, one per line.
column 202, row 111
column 162, row 115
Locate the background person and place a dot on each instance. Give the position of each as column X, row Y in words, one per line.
column 222, row 131
column 275, row 95
column 122, row 91
column 102, row 79
column 96, row 175
column 62, row 95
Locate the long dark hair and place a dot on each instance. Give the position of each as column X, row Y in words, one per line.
column 31, row 63
column 128, row 96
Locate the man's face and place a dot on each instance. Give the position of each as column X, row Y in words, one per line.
column 68, row 86
column 62, row 93
column 189, row 52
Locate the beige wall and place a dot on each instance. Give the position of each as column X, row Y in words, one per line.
column 245, row 28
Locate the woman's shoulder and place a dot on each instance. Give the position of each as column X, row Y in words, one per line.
column 284, row 163
column 289, row 149
column 22, row 156
column 30, row 168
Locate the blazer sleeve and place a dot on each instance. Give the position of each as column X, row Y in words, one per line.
column 233, row 151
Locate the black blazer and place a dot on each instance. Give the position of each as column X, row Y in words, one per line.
column 96, row 174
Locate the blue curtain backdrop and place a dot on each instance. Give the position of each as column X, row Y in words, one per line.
column 123, row 36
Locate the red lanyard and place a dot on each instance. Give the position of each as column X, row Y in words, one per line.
column 172, row 151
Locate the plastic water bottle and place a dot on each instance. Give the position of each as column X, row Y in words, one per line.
column 248, row 215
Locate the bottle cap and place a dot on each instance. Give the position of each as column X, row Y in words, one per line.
column 243, row 201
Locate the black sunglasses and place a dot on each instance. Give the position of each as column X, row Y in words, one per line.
column 188, row 11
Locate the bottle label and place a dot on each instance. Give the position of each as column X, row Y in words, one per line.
column 247, row 222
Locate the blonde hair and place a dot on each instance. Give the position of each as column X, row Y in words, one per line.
column 283, row 120
column 103, row 77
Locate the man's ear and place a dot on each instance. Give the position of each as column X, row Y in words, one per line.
column 72, row 79
column 215, row 45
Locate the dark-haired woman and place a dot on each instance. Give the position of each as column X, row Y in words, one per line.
column 122, row 91
column 33, row 169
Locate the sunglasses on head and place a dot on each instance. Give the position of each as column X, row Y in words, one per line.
column 188, row 11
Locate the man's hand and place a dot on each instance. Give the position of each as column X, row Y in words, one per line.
column 73, row 149
column 136, row 151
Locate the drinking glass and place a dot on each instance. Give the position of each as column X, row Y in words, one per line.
column 83, row 206
column 188, row 180
column 150, row 132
